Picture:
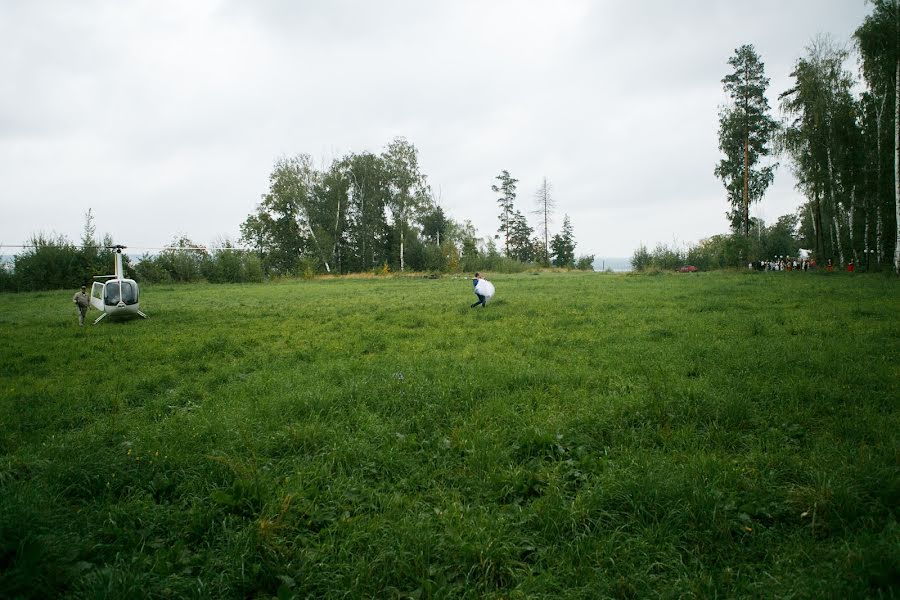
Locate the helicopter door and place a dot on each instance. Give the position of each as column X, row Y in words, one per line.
column 97, row 295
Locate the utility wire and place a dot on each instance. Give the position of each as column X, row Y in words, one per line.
column 163, row 248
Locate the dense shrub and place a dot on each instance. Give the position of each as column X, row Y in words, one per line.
column 717, row 252
column 47, row 264
column 54, row 263
column 223, row 266
column 7, row 278
column 443, row 258
column 641, row 258
column 151, row 270
column 667, row 259
column 502, row 264
column 585, row 263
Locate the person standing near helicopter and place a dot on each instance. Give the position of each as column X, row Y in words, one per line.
column 82, row 301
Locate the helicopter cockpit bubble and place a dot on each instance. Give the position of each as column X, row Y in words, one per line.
column 121, row 291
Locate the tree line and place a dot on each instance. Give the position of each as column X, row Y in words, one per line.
column 376, row 212
column 365, row 212
column 725, row 250
column 53, row 262
column 844, row 148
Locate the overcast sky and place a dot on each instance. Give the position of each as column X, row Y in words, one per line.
column 165, row 117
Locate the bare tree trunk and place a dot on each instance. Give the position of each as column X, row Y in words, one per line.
column 820, row 240
column 746, row 185
column 335, row 246
column 866, row 239
column 836, row 208
column 879, row 113
column 506, row 232
column 853, row 252
column 546, row 225
column 319, row 248
column 897, row 163
column 837, row 235
column 545, row 207
column 815, row 226
column 402, row 264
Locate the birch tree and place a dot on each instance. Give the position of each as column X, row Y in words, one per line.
column 407, row 187
column 820, row 111
column 367, row 227
column 281, row 229
column 878, row 40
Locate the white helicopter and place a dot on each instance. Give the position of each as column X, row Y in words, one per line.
column 116, row 296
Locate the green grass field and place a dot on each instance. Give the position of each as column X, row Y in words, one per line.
column 584, row 436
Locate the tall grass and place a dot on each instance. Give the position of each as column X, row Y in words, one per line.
column 585, row 435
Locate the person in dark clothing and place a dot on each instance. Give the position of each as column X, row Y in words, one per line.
column 82, row 301
column 481, row 299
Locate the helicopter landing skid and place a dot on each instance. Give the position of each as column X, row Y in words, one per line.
column 104, row 315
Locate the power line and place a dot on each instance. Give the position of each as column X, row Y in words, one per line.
column 161, row 248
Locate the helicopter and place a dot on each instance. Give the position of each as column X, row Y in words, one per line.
column 116, row 296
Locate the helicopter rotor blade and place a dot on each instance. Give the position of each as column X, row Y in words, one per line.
column 122, row 247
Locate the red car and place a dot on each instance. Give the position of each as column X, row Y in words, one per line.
column 688, row 269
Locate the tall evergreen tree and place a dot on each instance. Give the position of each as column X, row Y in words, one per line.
column 563, row 245
column 745, row 133
column 435, row 225
column 507, row 201
column 89, row 250
column 520, row 246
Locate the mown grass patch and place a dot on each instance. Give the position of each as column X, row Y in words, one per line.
column 585, row 435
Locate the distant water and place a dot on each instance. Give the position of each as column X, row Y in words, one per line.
column 616, row 263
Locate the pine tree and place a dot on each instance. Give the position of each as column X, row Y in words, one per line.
column 520, row 246
column 745, row 132
column 507, row 187
column 562, row 246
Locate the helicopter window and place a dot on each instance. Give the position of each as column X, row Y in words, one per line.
column 126, row 291
column 129, row 292
column 112, row 293
column 97, row 291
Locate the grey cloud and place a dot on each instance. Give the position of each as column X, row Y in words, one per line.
column 166, row 118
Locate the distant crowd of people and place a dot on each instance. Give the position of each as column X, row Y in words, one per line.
column 794, row 264
column 784, row 264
